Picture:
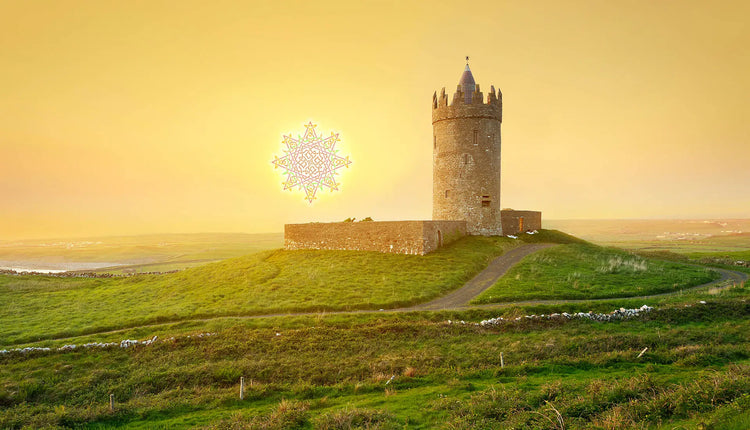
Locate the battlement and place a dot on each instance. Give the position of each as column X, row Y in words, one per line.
column 459, row 108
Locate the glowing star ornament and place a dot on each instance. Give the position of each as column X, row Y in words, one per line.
column 311, row 162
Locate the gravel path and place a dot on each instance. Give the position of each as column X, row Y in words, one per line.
column 485, row 279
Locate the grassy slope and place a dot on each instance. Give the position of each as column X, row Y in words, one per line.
column 333, row 369
column 586, row 271
column 34, row 307
column 38, row 307
column 327, row 371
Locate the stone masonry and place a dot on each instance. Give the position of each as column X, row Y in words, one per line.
column 401, row 237
column 466, row 157
column 515, row 222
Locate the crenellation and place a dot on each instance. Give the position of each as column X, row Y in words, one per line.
column 476, row 97
column 458, row 97
column 491, row 97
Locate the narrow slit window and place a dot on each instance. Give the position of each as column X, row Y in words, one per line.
column 476, row 135
column 486, row 201
column 447, row 193
column 434, row 142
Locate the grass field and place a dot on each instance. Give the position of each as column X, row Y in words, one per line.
column 586, row 271
column 377, row 370
column 332, row 372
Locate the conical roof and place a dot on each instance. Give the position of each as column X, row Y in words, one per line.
column 467, row 84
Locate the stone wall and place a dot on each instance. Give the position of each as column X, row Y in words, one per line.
column 520, row 221
column 400, row 237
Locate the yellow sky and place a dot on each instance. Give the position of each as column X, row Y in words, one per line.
column 143, row 116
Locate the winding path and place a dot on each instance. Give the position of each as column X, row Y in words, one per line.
column 485, row 279
column 459, row 299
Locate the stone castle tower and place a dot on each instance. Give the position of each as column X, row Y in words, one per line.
column 466, row 157
column 465, row 193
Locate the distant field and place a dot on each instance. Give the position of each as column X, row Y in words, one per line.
column 146, row 253
column 586, row 271
column 681, row 236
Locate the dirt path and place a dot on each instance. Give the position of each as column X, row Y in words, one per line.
column 485, row 279
column 459, row 299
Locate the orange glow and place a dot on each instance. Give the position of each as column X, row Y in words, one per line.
column 145, row 117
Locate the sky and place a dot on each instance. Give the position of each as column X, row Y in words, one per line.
column 135, row 117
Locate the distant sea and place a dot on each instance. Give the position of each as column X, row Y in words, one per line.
column 45, row 267
column 26, row 270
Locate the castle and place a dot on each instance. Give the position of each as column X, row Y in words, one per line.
column 465, row 186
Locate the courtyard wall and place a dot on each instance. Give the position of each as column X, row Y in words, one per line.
column 399, row 237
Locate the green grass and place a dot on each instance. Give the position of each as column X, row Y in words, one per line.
column 39, row 307
column 325, row 372
column 586, row 271
column 332, row 371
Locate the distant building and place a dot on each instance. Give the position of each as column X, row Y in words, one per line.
column 466, row 185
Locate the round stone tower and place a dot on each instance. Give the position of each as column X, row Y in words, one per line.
column 466, row 157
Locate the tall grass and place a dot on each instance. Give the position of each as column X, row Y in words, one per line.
column 333, row 374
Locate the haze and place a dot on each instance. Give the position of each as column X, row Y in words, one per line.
column 145, row 117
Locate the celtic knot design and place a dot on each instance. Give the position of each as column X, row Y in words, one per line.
column 310, row 162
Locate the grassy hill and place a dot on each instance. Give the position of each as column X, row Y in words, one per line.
column 39, row 307
column 375, row 370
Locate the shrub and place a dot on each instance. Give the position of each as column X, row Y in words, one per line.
column 354, row 418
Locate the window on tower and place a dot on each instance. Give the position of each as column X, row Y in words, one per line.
column 447, row 193
column 486, row 201
column 434, row 141
column 476, row 135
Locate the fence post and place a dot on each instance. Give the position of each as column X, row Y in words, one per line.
column 502, row 361
column 111, row 402
column 242, row 387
